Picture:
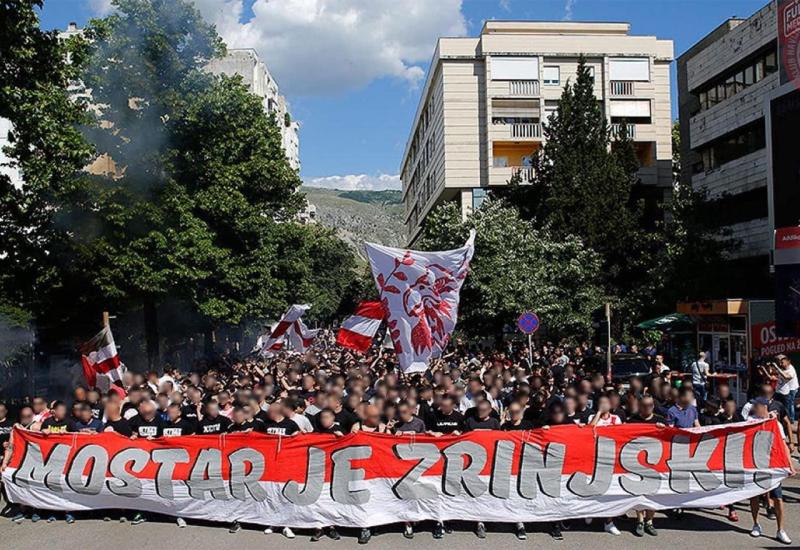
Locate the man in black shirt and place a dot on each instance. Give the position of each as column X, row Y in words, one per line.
column 114, row 420
column 646, row 414
column 515, row 420
column 6, row 425
column 344, row 418
column 483, row 420
column 710, row 414
column 57, row 423
column 277, row 424
column 240, row 422
column 147, row 423
column 177, row 425
column 213, row 422
column 446, row 420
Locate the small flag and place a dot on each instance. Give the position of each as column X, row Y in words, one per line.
column 99, row 357
column 358, row 330
column 290, row 328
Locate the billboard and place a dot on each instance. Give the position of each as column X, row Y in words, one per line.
column 789, row 40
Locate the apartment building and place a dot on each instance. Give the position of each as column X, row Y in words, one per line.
column 724, row 82
column 256, row 76
column 479, row 120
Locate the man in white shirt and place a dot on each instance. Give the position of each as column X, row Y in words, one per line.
column 787, row 385
column 292, row 409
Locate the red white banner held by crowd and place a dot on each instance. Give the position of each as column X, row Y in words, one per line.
column 367, row 479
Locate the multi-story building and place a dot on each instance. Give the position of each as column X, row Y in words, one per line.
column 479, row 119
column 724, row 82
column 257, row 78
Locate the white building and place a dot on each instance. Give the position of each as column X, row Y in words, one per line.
column 259, row 81
column 479, row 120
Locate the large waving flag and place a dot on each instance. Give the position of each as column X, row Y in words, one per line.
column 290, row 328
column 420, row 293
column 358, row 330
column 99, row 357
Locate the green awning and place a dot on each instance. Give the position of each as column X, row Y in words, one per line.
column 674, row 322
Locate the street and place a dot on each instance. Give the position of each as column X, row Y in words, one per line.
column 694, row 529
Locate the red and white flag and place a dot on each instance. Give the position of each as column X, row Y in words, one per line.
column 358, row 330
column 420, row 293
column 290, row 328
column 99, row 357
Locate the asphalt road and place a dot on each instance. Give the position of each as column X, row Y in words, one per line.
column 706, row 528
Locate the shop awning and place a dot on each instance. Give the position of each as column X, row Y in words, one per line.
column 674, row 322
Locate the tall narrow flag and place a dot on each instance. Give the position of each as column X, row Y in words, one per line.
column 290, row 328
column 420, row 293
column 99, row 357
column 358, row 330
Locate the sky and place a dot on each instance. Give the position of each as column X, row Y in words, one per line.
column 353, row 70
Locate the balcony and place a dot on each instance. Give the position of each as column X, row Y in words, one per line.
column 523, row 87
column 516, row 131
column 616, row 130
column 501, row 175
column 622, row 88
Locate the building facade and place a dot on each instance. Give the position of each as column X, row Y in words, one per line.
column 257, row 78
column 479, row 120
column 724, row 82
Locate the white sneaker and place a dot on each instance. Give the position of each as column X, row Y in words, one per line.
column 612, row 529
column 288, row 533
column 755, row 531
column 268, row 531
column 181, row 522
column 783, row 537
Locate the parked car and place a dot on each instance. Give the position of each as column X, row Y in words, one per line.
column 623, row 366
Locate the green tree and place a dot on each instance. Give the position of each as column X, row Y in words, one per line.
column 517, row 267
column 37, row 272
column 584, row 185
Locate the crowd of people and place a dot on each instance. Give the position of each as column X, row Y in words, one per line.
column 335, row 391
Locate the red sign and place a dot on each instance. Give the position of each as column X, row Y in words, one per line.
column 766, row 342
column 787, row 237
column 789, row 40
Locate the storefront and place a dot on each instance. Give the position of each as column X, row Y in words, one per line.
column 722, row 332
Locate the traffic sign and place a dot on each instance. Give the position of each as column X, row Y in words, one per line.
column 528, row 322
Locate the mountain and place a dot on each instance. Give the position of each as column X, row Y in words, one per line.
column 358, row 216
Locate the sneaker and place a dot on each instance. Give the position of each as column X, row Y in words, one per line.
column 317, row 536
column 123, row 519
column 235, row 527
column 138, row 519
column 106, row 518
column 611, row 529
column 520, row 532
column 35, row 517
column 650, row 529
column 438, row 531
column 480, row 530
column 639, row 529
column 364, row 536
column 333, row 533
column 18, row 518
column 268, row 531
column 755, row 531
column 288, row 533
column 408, row 531
column 771, row 513
column 733, row 516
column 51, row 519
column 181, row 522
column 555, row 531
column 783, row 537
column 69, row 518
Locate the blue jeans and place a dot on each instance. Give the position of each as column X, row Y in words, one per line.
column 699, row 394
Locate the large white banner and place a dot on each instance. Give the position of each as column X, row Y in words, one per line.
column 363, row 479
column 420, row 293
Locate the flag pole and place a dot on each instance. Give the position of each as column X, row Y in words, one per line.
column 105, row 319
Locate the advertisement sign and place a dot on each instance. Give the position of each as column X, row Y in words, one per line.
column 764, row 334
column 789, row 40
column 366, row 479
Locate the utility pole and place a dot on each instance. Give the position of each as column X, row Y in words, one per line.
column 608, row 342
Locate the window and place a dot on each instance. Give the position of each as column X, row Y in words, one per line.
column 738, row 79
column 552, row 76
column 732, row 146
column 630, row 69
column 515, row 68
column 500, row 162
column 478, row 196
column 630, row 108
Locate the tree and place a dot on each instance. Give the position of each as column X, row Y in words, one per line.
column 584, row 186
column 517, row 267
column 37, row 274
